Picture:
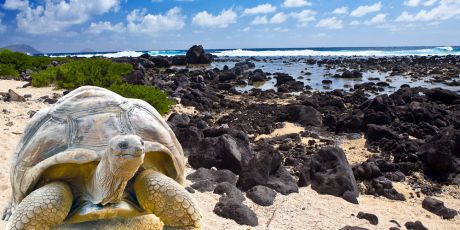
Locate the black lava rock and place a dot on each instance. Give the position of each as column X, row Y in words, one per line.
column 305, row 115
column 417, row 225
column 223, row 149
column 331, row 174
column 381, row 186
column 197, row 55
column 373, row 219
column 232, row 209
column 437, row 207
column 261, row 195
column 230, row 191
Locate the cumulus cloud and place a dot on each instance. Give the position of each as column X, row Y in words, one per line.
column 296, row 3
column 279, row 18
column 341, row 10
column 222, row 20
column 99, row 27
column 363, row 10
column 261, row 9
column 56, row 16
column 16, row 4
column 446, row 9
column 330, row 23
column 141, row 22
column 260, row 20
column 304, row 17
column 415, row 3
column 377, row 19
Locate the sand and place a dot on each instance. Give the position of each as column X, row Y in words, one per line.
column 304, row 210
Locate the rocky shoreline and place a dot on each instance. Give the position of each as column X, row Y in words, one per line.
column 412, row 135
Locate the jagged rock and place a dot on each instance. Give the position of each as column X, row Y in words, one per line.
column 328, row 172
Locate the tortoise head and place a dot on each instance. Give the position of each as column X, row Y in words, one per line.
column 125, row 154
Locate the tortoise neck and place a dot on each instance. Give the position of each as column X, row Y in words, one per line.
column 109, row 181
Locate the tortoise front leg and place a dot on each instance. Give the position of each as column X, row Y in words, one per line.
column 168, row 200
column 43, row 208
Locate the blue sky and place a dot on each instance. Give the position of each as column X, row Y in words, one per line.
column 108, row 25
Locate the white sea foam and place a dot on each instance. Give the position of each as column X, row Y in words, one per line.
column 446, row 48
column 108, row 55
column 308, row 52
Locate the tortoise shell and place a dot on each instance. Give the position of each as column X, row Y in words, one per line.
column 87, row 118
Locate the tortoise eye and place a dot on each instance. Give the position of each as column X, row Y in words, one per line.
column 123, row 145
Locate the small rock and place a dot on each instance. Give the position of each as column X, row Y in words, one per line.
column 204, row 186
column 13, row 96
column 353, row 228
column 261, row 195
column 31, row 113
column 229, row 208
column 417, row 225
column 230, row 191
column 437, row 207
column 190, row 189
column 373, row 219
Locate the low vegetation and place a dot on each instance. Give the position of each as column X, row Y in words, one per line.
column 13, row 63
column 103, row 73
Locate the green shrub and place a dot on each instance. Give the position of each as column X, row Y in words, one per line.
column 7, row 70
column 154, row 96
column 103, row 73
column 21, row 62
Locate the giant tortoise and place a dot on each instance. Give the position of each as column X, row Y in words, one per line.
column 96, row 155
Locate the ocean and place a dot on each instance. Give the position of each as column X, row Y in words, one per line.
column 289, row 52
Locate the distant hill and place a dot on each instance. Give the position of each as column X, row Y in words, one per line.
column 22, row 48
column 88, row 50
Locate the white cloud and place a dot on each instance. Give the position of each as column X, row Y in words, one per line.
column 205, row 19
column 246, row 29
column 446, row 9
column 57, row 15
column 97, row 28
column 415, row 3
column 296, row 3
column 260, row 20
column 16, row 4
column 363, row 10
column 261, row 9
column 141, row 22
column 330, row 23
column 355, row 23
column 378, row 19
column 279, row 29
column 279, row 18
column 304, row 17
column 341, row 10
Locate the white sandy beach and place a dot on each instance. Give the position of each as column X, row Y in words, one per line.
column 304, row 210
